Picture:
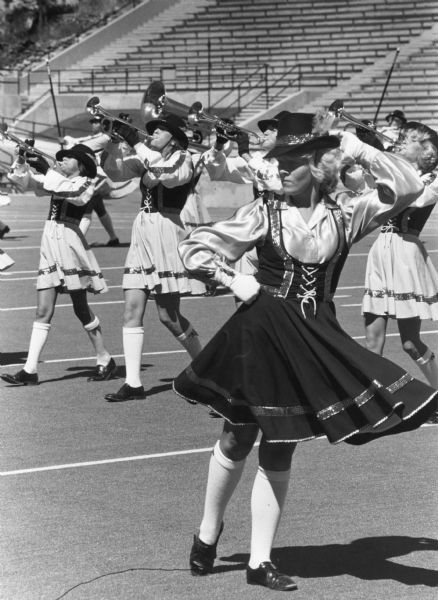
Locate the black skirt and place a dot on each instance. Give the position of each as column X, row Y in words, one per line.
column 299, row 376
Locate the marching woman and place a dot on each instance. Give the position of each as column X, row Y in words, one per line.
column 282, row 363
column 401, row 282
column 153, row 266
column 66, row 262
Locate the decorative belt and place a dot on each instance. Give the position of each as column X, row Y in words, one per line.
column 66, row 220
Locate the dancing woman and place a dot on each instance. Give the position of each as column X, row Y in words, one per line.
column 282, row 363
column 153, row 266
column 401, row 281
column 66, row 262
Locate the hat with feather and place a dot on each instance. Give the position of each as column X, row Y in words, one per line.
column 301, row 133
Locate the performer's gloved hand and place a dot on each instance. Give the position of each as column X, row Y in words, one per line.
column 369, row 137
column 242, row 139
column 21, row 150
column 127, row 133
column 39, row 163
column 245, row 287
column 221, row 138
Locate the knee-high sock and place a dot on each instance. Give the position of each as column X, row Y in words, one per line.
column 223, row 476
column 428, row 365
column 38, row 338
column 132, row 348
column 190, row 341
column 267, row 499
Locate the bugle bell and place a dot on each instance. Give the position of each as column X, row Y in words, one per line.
column 95, row 108
column 157, row 105
column 338, row 110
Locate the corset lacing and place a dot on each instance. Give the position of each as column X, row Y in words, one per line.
column 147, row 202
column 308, row 288
column 390, row 226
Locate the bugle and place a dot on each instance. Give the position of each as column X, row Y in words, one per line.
column 197, row 116
column 337, row 109
column 6, row 135
column 156, row 105
column 94, row 108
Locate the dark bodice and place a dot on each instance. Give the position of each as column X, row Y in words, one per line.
column 61, row 210
column 162, row 199
column 282, row 275
column 411, row 220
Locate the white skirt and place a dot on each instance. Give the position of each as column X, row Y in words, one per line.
column 153, row 261
column 67, row 262
column 194, row 214
column 400, row 280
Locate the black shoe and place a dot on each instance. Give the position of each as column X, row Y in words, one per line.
column 269, row 576
column 103, row 373
column 114, row 242
column 126, row 392
column 21, row 378
column 202, row 555
column 4, row 231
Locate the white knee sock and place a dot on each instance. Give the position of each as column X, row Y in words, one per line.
column 268, row 495
column 132, row 348
column 190, row 341
column 223, row 476
column 428, row 365
column 38, row 338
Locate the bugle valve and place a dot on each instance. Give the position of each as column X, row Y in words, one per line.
column 197, row 116
column 337, row 110
column 6, row 135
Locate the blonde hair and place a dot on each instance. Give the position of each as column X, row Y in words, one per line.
column 427, row 158
column 325, row 166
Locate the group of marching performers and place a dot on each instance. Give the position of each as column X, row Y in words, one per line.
column 281, row 366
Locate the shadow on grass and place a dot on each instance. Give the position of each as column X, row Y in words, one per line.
column 85, row 372
column 13, row 358
column 367, row 558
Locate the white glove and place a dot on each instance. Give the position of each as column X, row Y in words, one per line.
column 245, row 287
column 352, row 146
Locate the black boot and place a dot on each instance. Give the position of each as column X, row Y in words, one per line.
column 21, row 378
column 104, row 372
column 269, row 576
column 202, row 555
column 126, row 392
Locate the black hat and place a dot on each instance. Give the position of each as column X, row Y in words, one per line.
column 171, row 123
column 82, row 154
column 397, row 114
column 296, row 134
column 271, row 122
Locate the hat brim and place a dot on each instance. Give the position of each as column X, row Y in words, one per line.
column 265, row 123
column 325, row 142
column 82, row 157
column 176, row 132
